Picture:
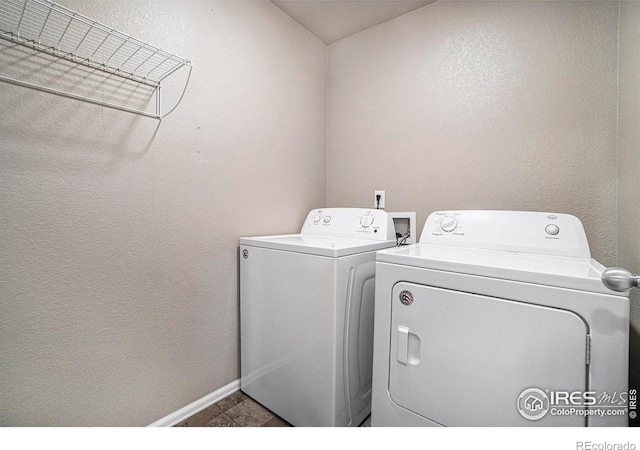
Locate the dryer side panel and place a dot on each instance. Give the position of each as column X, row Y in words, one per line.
column 462, row 359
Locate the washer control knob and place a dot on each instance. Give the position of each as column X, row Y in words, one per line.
column 327, row 219
column 552, row 229
column 316, row 219
column 366, row 221
column 448, row 224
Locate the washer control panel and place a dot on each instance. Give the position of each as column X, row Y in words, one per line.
column 358, row 223
column 519, row 231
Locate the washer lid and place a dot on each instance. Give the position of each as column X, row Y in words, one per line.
column 550, row 270
column 317, row 245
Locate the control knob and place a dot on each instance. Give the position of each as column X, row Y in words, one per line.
column 552, row 229
column 366, row 221
column 448, row 224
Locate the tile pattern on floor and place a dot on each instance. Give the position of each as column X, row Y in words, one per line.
column 239, row 410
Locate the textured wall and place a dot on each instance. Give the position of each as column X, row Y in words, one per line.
column 629, row 169
column 480, row 105
column 119, row 234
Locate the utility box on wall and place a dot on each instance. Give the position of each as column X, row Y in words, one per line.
column 404, row 222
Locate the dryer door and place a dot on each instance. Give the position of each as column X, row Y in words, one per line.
column 463, row 359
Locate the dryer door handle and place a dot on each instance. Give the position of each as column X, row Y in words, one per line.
column 408, row 347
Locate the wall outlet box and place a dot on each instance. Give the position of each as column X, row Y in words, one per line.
column 380, row 204
column 405, row 222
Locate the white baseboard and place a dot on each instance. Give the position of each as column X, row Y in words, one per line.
column 197, row 406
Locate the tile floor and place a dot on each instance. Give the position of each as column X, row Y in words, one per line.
column 239, row 410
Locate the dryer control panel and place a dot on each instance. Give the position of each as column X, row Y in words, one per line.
column 354, row 223
column 518, row 231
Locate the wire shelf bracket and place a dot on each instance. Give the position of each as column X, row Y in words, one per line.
column 55, row 30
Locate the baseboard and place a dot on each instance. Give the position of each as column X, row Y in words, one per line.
column 197, row 406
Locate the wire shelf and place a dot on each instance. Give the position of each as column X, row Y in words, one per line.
column 53, row 29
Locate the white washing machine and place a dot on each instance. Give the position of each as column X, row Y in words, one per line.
column 498, row 318
column 306, row 313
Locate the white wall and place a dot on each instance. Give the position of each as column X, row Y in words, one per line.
column 119, row 234
column 480, row 105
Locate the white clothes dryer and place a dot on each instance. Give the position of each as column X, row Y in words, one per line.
column 498, row 318
column 306, row 316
